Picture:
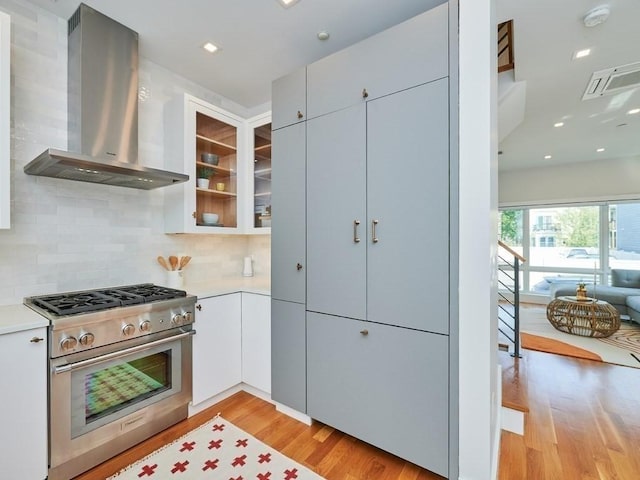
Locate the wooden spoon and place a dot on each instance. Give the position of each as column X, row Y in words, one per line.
column 173, row 261
column 183, row 262
column 163, row 262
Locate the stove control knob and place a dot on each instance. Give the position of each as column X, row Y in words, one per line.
column 187, row 317
column 145, row 326
column 177, row 319
column 128, row 330
column 68, row 343
column 87, row 339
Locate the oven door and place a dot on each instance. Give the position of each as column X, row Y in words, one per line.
column 129, row 391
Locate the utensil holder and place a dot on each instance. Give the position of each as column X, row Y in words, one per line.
column 175, row 279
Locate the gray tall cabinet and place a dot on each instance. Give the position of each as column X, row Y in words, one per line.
column 361, row 241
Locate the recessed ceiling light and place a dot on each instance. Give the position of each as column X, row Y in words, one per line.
column 633, row 111
column 547, row 157
column 599, row 149
column 287, row 3
column 559, row 124
column 210, row 47
column 582, row 53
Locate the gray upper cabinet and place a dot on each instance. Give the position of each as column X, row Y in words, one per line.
column 336, row 213
column 289, row 99
column 288, row 248
column 408, row 196
column 409, row 54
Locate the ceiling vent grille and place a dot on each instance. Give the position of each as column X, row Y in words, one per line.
column 613, row 80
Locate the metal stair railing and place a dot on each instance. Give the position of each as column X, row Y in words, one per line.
column 509, row 306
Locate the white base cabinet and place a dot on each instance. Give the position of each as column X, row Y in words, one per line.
column 217, row 346
column 232, row 344
column 23, row 415
column 256, row 341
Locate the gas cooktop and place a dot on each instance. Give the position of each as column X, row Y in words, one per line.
column 73, row 303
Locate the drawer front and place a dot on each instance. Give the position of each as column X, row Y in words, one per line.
column 385, row 385
column 409, row 54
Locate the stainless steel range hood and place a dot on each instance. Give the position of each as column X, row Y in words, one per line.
column 102, row 110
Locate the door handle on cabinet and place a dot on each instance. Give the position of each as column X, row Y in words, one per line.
column 365, row 94
column 300, row 115
column 199, row 307
column 364, row 332
column 373, row 231
column 356, row 239
column 36, row 340
column 298, row 267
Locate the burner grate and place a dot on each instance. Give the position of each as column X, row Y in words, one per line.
column 73, row 303
column 79, row 302
column 152, row 293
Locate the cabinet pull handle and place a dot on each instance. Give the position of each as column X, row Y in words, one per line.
column 300, row 115
column 356, row 238
column 298, row 267
column 365, row 94
column 193, row 214
column 364, row 332
column 373, row 231
column 199, row 307
column 36, row 340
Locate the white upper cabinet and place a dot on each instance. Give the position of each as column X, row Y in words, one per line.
column 257, row 213
column 5, row 139
column 204, row 142
column 409, row 54
column 289, row 99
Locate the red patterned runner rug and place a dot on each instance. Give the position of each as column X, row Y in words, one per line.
column 216, row 450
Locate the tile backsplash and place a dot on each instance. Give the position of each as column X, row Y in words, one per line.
column 68, row 235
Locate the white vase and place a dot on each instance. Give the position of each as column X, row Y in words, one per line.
column 202, row 182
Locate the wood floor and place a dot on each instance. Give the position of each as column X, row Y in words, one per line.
column 583, row 423
column 330, row 453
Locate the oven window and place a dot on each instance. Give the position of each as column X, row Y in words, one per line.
column 116, row 387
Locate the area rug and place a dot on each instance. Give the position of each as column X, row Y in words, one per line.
column 216, row 450
column 621, row 348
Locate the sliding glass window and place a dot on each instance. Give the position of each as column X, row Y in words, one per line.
column 571, row 244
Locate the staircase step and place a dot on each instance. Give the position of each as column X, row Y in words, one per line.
column 514, row 381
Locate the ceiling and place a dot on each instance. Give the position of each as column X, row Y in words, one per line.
column 546, row 34
column 261, row 41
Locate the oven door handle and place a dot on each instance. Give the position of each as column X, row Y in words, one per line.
column 120, row 353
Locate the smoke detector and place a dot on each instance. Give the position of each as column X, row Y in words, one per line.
column 596, row 16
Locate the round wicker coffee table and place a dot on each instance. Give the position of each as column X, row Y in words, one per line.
column 588, row 318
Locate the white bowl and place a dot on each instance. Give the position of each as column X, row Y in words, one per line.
column 210, row 218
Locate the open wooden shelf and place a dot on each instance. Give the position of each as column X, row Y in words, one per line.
column 263, row 173
column 214, row 146
column 216, row 193
column 225, row 172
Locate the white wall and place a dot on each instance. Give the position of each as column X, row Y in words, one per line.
column 617, row 179
column 68, row 235
column 478, row 384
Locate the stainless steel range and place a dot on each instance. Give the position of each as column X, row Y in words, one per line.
column 120, row 370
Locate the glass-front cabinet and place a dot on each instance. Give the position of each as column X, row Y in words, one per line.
column 261, row 157
column 202, row 140
column 228, row 160
column 216, row 173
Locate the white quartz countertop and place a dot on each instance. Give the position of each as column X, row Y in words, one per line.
column 224, row 286
column 16, row 318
